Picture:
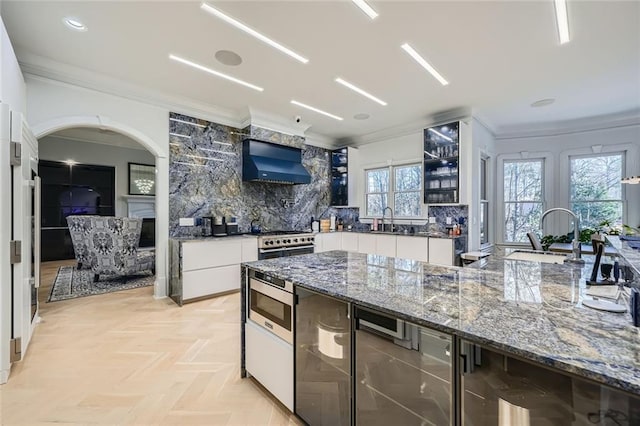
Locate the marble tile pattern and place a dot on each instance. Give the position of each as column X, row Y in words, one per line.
column 459, row 214
column 211, row 183
column 532, row 310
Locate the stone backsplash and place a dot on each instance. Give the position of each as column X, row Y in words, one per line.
column 205, row 179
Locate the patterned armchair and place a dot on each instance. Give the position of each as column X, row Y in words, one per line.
column 109, row 245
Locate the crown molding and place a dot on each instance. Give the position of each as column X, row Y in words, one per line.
column 462, row 113
column 45, row 68
column 579, row 125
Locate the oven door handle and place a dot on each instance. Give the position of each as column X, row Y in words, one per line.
column 271, row 250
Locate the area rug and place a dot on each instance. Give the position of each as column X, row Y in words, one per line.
column 71, row 283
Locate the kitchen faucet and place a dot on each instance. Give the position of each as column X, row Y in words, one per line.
column 383, row 213
column 577, row 251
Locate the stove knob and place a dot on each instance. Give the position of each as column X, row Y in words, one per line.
column 268, row 242
column 277, row 241
column 311, row 239
column 287, row 241
column 295, row 240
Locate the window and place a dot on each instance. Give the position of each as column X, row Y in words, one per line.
column 377, row 191
column 523, row 198
column 596, row 191
column 403, row 195
column 484, row 202
column 406, row 197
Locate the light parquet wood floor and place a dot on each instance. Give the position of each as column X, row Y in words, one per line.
column 126, row 359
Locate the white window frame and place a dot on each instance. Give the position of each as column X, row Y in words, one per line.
column 623, row 162
column 391, row 193
column 485, row 163
column 547, row 159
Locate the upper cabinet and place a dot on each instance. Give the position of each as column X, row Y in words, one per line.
column 441, row 158
column 343, row 177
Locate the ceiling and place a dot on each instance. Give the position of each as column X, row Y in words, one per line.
column 93, row 135
column 498, row 57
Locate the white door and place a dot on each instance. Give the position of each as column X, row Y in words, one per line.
column 24, row 253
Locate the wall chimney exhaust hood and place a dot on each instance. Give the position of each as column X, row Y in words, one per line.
column 268, row 162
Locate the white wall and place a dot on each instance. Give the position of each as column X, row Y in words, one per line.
column 54, row 106
column 57, row 149
column 12, row 85
column 558, row 147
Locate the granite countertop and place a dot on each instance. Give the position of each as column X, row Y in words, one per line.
column 211, row 238
column 530, row 309
column 401, row 234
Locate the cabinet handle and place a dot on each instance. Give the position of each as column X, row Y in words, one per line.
column 463, row 361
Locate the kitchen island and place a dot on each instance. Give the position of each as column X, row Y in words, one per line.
column 527, row 316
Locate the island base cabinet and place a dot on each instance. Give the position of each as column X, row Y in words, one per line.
column 402, row 379
column 500, row 390
column 322, row 360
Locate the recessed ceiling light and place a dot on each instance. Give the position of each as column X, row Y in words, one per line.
column 319, row 111
column 227, row 57
column 366, row 8
column 361, row 116
column 74, row 24
column 426, row 65
column 252, row 32
column 359, row 90
column 562, row 21
column 543, row 102
column 216, row 73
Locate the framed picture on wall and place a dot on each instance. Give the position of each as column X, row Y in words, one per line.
column 142, row 179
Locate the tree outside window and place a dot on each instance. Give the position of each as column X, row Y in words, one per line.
column 403, row 196
column 596, row 190
column 377, row 191
column 523, row 198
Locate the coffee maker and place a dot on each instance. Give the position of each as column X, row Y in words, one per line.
column 219, row 227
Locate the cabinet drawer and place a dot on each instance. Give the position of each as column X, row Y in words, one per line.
column 208, row 254
column 349, row 242
column 414, row 248
column 211, row 281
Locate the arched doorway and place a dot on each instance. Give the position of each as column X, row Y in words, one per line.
column 102, row 123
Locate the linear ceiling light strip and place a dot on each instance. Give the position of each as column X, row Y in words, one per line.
column 562, row 21
column 423, row 62
column 360, row 91
column 314, row 109
column 228, row 19
column 216, row 73
column 364, row 6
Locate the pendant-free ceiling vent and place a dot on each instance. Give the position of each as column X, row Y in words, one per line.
column 268, row 162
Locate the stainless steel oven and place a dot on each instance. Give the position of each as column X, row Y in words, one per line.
column 271, row 304
column 272, row 253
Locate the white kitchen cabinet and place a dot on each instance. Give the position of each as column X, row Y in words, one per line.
column 327, row 241
column 441, row 251
column 414, row 248
column 212, row 266
column 367, row 243
column 349, row 241
column 249, row 249
column 385, row 245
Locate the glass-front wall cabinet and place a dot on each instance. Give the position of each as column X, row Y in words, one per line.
column 339, row 177
column 441, row 155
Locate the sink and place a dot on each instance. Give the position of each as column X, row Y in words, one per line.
column 537, row 256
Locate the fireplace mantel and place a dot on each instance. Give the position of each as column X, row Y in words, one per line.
column 143, row 206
